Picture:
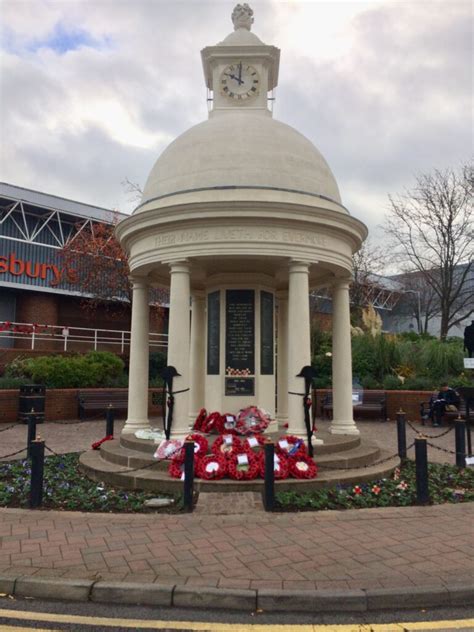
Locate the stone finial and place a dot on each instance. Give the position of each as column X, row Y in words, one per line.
column 242, row 17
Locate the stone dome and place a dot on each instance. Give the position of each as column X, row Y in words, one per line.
column 241, row 149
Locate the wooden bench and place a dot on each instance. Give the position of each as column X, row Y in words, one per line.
column 101, row 400
column 368, row 402
column 448, row 415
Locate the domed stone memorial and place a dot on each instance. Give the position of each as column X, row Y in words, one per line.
column 241, row 217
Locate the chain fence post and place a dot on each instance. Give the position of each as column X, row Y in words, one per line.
column 37, row 470
column 31, row 436
column 402, row 435
column 421, row 469
column 109, row 421
column 269, row 486
column 188, row 475
column 460, row 435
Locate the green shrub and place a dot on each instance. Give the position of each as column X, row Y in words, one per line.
column 157, row 362
column 96, row 368
column 12, row 382
column 442, row 359
column 392, row 383
column 420, row 383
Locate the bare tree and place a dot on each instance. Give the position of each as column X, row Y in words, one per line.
column 367, row 263
column 431, row 233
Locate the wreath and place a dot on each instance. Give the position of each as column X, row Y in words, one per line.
column 211, row 423
column 245, row 468
column 200, row 420
column 200, row 445
column 226, row 424
column 176, row 467
column 226, row 445
column 296, row 446
column 281, row 465
column 254, row 444
column 303, row 467
column 212, row 467
column 251, row 420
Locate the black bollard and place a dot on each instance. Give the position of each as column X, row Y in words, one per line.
column 31, row 434
column 421, row 467
column 188, row 475
column 402, row 435
column 460, row 436
column 109, row 421
column 269, row 486
column 37, row 467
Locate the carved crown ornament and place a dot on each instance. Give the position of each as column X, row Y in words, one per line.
column 242, row 17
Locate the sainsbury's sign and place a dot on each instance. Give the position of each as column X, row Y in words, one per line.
column 34, row 265
column 35, row 270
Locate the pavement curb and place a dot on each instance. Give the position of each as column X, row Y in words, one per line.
column 169, row 595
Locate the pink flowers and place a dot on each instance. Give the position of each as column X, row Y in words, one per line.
column 376, row 490
column 403, row 485
column 357, row 490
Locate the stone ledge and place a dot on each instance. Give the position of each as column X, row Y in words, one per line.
column 49, row 588
column 219, row 598
column 312, row 600
column 132, row 593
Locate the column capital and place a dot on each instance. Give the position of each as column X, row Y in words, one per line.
column 139, row 282
column 181, row 266
column 342, row 284
column 298, row 265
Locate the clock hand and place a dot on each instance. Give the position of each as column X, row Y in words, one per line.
column 240, row 72
column 234, row 77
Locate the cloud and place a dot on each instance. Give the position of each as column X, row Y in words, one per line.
column 93, row 92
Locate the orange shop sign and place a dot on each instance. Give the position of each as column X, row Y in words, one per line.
column 34, row 270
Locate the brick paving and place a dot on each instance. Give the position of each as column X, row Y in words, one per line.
column 365, row 548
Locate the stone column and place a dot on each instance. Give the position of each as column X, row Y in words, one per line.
column 282, row 358
column 197, row 345
column 178, row 345
column 299, row 343
column 343, row 418
column 139, row 353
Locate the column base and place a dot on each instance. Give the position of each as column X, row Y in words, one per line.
column 132, row 425
column 344, row 428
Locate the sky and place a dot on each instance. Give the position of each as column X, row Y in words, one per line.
column 92, row 91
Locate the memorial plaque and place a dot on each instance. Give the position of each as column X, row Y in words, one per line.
column 266, row 333
column 239, row 386
column 240, row 332
column 213, row 333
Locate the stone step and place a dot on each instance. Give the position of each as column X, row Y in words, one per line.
column 150, row 479
column 332, row 443
column 114, row 452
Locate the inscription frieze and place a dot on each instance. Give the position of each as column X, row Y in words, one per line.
column 232, row 234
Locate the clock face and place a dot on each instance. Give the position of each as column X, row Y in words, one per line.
column 240, row 81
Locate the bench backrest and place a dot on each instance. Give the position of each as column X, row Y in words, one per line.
column 365, row 397
column 102, row 396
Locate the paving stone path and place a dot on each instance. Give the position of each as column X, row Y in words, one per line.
column 366, row 548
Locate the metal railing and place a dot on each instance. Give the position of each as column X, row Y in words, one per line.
column 64, row 337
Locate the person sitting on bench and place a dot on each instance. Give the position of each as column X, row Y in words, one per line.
column 447, row 400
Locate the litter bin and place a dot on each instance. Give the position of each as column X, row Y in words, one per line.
column 31, row 402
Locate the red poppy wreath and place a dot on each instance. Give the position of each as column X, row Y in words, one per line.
column 212, row 467
column 242, row 466
column 251, row 420
column 292, row 446
column 176, row 468
column 303, row 467
column 254, row 444
column 226, row 444
column 200, row 445
column 281, row 466
column 200, row 420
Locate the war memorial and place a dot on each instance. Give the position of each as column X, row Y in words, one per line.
column 240, row 218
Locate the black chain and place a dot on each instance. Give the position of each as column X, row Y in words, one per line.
column 52, row 451
column 8, row 427
column 419, row 431
column 362, row 467
column 436, row 447
column 5, row 456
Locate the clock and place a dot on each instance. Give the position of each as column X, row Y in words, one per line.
column 239, row 81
